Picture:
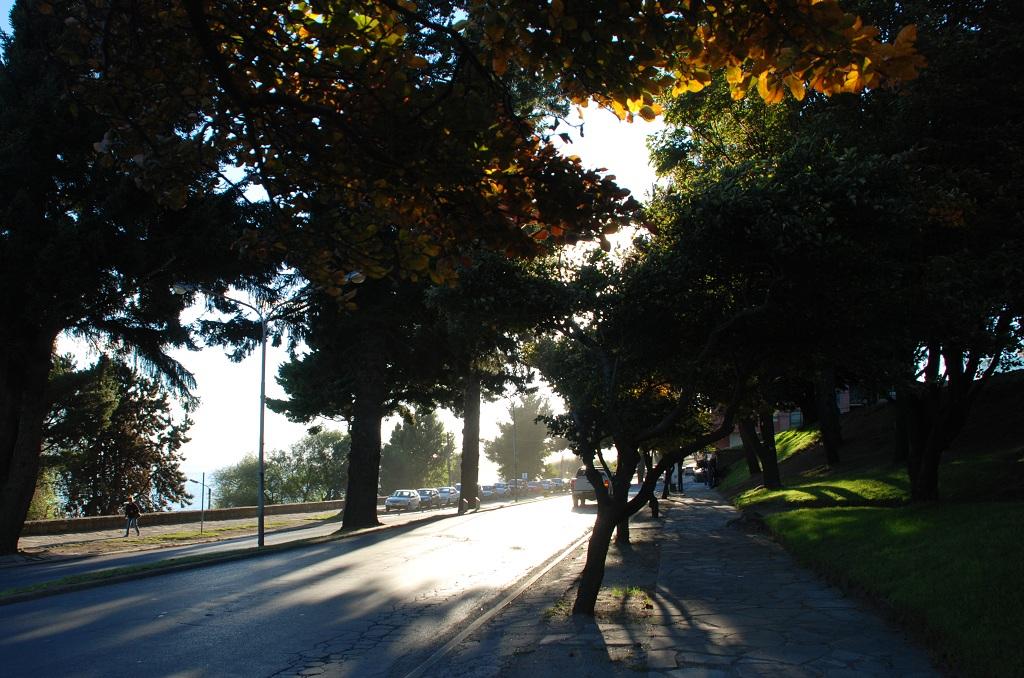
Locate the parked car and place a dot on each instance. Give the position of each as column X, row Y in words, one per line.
column 402, row 500
column 534, row 487
column 502, row 490
column 449, row 496
column 558, row 485
column 486, row 492
column 547, row 486
column 429, row 498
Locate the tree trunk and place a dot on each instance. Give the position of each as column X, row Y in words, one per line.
column 828, row 412
column 931, row 416
column 629, row 460
column 902, row 428
column 769, row 454
column 24, row 374
column 751, row 443
column 808, row 404
column 597, row 552
column 750, row 454
column 470, row 472
column 364, row 455
column 668, row 481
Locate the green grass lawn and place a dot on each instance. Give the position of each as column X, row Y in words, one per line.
column 879, row 487
column 787, row 444
column 952, row 572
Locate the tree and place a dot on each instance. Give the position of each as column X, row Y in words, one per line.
column 880, row 224
column 961, row 311
column 83, row 249
column 769, row 197
column 523, row 443
column 362, row 367
column 497, row 302
column 653, row 348
column 312, row 469
column 131, row 448
column 237, row 485
column 363, row 98
column 45, row 501
column 418, row 454
column 317, row 467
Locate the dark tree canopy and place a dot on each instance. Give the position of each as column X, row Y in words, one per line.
column 884, row 228
column 83, row 249
column 343, row 109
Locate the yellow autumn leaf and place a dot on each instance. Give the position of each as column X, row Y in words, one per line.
column 619, row 110
column 734, row 74
column 853, row 82
column 796, row 86
column 770, row 92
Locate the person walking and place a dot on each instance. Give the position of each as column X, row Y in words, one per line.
column 711, row 471
column 131, row 514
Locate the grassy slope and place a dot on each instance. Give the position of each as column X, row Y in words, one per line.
column 951, row 572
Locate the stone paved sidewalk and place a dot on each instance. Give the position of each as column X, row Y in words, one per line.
column 723, row 601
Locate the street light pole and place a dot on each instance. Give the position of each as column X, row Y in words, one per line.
column 263, row 407
column 515, row 454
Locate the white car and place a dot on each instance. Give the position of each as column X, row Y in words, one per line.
column 449, row 496
column 402, row 500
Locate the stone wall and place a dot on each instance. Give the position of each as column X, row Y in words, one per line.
column 71, row 525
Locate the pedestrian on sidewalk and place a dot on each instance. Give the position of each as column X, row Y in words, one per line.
column 131, row 514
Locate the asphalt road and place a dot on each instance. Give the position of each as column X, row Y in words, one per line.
column 59, row 567
column 376, row 605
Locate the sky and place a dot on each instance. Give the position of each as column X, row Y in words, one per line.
column 227, row 420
